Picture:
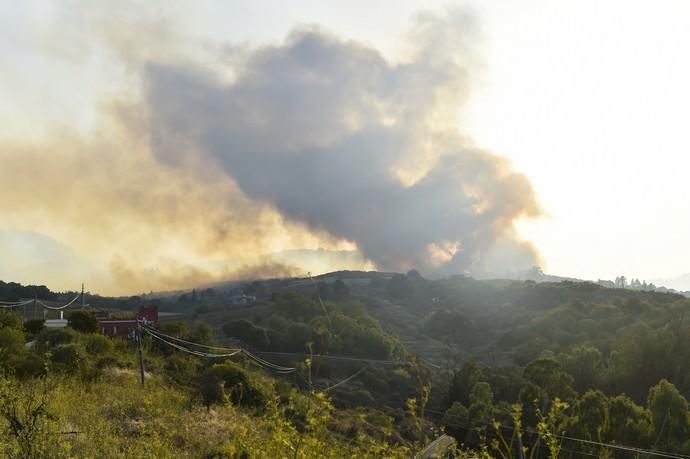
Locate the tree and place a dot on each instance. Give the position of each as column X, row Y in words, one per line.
column 627, row 423
column 247, row 332
column 201, row 333
column 456, row 420
column 25, row 410
column 51, row 337
column 462, row 383
column 11, row 339
column 591, row 414
column 399, row 287
column 547, row 374
column 532, row 398
column 176, row 328
column 212, row 389
column 34, row 326
column 208, row 293
column 669, row 411
column 340, row 290
column 481, row 404
column 10, row 319
column 225, row 382
column 323, row 290
column 583, row 363
column 99, row 344
column 11, row 346
column 83, row 321
column 68, row 356
column 449, row 326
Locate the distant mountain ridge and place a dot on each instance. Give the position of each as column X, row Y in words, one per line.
column 681, row 282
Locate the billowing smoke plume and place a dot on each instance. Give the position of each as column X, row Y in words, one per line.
column 213, row 163
column 132, row 223
column 338, row 138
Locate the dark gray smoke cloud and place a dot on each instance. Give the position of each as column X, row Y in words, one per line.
column 335, row 136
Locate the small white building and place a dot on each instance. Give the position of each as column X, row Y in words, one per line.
column 56, row 323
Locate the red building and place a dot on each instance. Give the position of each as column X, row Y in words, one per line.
column 148, row 314
column 123, row 327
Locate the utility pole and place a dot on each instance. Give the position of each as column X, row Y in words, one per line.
column 83, row 298
column 36, row 306
column 141, row 353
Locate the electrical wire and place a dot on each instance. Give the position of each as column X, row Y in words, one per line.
column 10, row 305
column 16, row 303
column 268, row 364
column 334, row 357
column 192, row 351
column 58, row 308
column 274, row 370
column 579, row 440
column 231, row 352
column 163, row 338
column 344, row 381
column 631, row 449
column 154, row 330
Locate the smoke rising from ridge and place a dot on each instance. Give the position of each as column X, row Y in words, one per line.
column 338, row 138
column 203, row 170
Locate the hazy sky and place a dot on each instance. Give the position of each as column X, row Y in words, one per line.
column 588, row 99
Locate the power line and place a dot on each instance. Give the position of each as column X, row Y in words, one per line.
column 58, row 308
column 335, row 357
column 230, row 352
column 191, row 351
column 349, row 378
column 14, row 304
column 631, row 449
column 579, row 440
column 154, row 330
column 268, row 364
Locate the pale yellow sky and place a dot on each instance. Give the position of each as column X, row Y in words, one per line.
column 589, row 99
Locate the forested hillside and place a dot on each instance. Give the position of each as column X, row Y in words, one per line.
column 13, row 291
column 358, row 364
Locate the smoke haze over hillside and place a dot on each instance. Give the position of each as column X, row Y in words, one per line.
column 206, row 169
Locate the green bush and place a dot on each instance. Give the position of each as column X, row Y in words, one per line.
column 34, row 326
column 11, row 346
column 98, row 344
column 68, row 356
column 228, row 382
column 10, row 319
column 51, row 337
column 247, row 332
column 83, row 321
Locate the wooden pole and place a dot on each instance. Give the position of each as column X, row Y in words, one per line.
column 141, row 353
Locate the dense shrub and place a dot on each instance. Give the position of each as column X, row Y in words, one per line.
column 83, row 321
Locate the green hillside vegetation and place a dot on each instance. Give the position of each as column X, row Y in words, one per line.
column 495, row 364
column 333, row 328
column 12, row 291
column 75, row 394
column 615, row 357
